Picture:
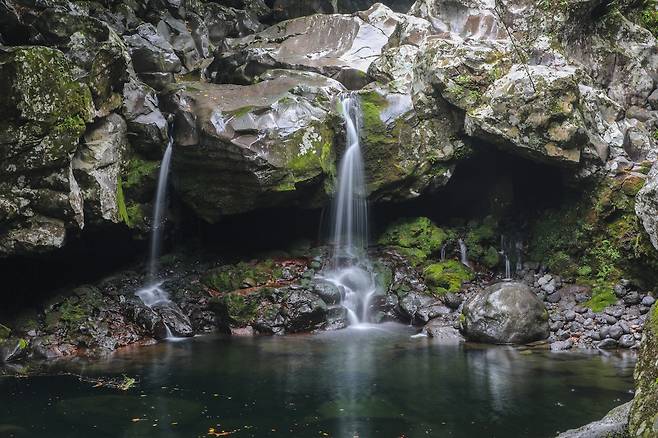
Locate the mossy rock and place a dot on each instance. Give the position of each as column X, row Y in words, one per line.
column 602, row 297
column 416, row 238
column 5, row 331
column 447, row 276
column 600, row 230
column 643, row 421
column 242, row 275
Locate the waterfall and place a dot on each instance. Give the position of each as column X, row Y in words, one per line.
column 350, row 269
column 464, row 253
column 508, row 270
column 153, row 294
column 443, row 253
column 350, row 207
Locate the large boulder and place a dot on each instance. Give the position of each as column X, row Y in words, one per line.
column 337, row 46
column 43, row 113
column 505, row 313
column 644, row 412
column 240, row 148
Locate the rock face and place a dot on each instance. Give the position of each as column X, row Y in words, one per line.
column 239, row 148
column 44, row 111
column 505, row 313
column 338, row 46
column 644, row 413
column 646, row 206
column 613, row 425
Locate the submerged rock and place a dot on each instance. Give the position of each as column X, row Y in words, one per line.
column 505, row 313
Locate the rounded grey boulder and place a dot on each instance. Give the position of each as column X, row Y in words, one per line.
column 505, row 313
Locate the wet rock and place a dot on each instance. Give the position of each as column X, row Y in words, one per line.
column 561, row 345
column 505, row 313
column 345, row 46
column 615, row 331
column 620, row 290
column 648, row 301
column 304, row 311
column 452, row 300
column 330, row 293
column 154, row 59
column 627, row 341
column 44, row 110
column 220, row 149
column 174, row 319
column 554, row 297
column 632, row 298
column 643, row 416
column 613, row 425
column 608, row 344
column 443, row 332
column 336, row 318
column 616, row 311
column 570, row 315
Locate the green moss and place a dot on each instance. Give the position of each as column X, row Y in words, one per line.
column 602, row 297
column 137, row 170
column 233, row 277
column 374, row 129
column 447, row 276
column 417, row 238
column 649, row 20
column 240, row 309
column 121, row 204
column 71, row 313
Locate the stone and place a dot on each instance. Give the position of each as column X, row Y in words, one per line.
column 337, row 318
column 218, row 146
column 329, row 292
column 154, row 59
column 620, row 290
column 632, row 298
column 615, row 331
column 561, row 345
column 505, row 313
column 646, row 205
column 613, row 425
column 648, row 301
column 608, row 344
column 627, row 341
column 643, row 420
column 44, row 111
column 554, row 297
column 304, row 311
column 442, row 332
column 344, row 47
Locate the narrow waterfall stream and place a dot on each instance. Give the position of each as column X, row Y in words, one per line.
column 152, row 293
column 350, row 268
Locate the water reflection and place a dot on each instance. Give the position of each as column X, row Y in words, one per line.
column 365, row 383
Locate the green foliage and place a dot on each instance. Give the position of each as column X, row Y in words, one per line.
column 649, row 20
column 491, row 258
column 447, row 276
column 138, row 170
column 417, row 238
column 121, row 204
column 605, row 256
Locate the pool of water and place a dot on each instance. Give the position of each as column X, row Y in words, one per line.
column 351, row 383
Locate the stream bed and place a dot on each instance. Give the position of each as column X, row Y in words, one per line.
column 374, row 382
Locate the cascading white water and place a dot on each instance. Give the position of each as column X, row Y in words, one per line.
column 153, row 294
column 443, row 253
column 463, row 251
column 350, row 269
column 508, row 270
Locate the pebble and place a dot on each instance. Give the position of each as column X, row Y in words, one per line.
column 544, row 280
column 570, row 315
column 627, row 341
column 648, row 301
column 554, row 297
column 607, row 344
column 580, row 309
column 632, row 298
column 561, row 345
column 616, row 311
column 615, row 331
column 620, row 290
column 604, row 332
column 625, row 326
column 644, row 309
column 609, row 319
